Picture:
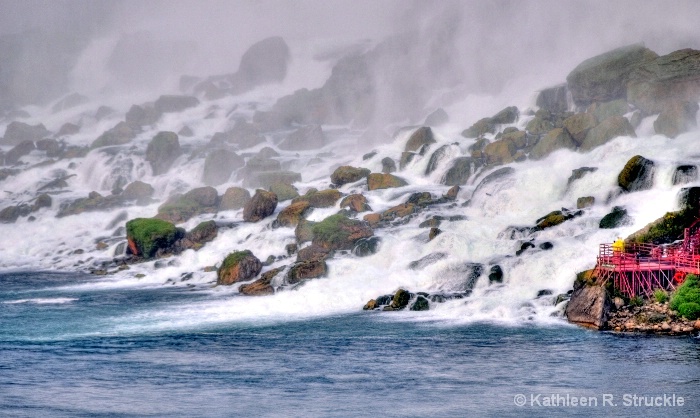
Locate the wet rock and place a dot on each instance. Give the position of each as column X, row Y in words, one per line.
column 377, row 181
column 388, row 165
column 42, row 201
column 291, row 215
column 685, row 174
column 589, row 306
column 291, row 249
column 174, row 103
column 555, row 218
column 366, row 246
column 400, row 299
column 269, row 178
column 424, row 262
column 139, row 191
column 243, row 135
column 322, row 199
column 369, row 155
column 500, row 152
column 578, row 173
column 452, row 193
column 186, row 132
column 460, row 171
column 479, row 128
column 638, row 174
column 399, row 211
column 238, row 266
column 179, row 208
column 546, row 246
column 437, row 118
column 371, row 305
column 430, row 223
column 262, row 286
column 422, row 136
column 554, row 140
column 17, row 132
column 434, row 232
column 356, row 203
column 234, row 198
column 604, row 77
column 305, row 138
column 18, row 151
column 196, row 238
column 314, row 252
column 439, row 155
column 304, row 231
column 421, row 304
column 578, row 126
column 52, row 147
column 337, row 232
column 218, row 166
column 347, row 174
column 524, row 247
column 605, row 110
column 68, row 129
column 122, row 133
column 9, row 214
column 406, row 158
column 148, row 238
column 304, row 270
column 585, row 202
column 676, row 118
column 496, row 274
column 262, row 205
column 553, row 99
column 284, row 191
column 617, row 217
column 609, row 129
column 162, row 151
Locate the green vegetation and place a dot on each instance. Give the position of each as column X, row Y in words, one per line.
column 332, row 229
column 661, row 296
column 150, row 235
column 234, row 258
column 665, row 229
column 686, row 299
column 636, row 301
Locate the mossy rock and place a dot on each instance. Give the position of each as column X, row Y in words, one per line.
column 666, row 229
column 500, row 152
column 284, row 191
column 262, row 205
column 555, row 218
column 234, row 198
column 139, row 191
column 147, row 236
column 304, row 231
column 322, row 199
column 421, row 304
column 338, row 232
column 685, row 174
column 585, row 202
column 292, row 214
column 348, row 174
column 400, row 299
column 422, row 136
column 356, row 203
column 304, row 270
column 637, row 174
column 238, row 266
column 617, row 217
column 218, row 166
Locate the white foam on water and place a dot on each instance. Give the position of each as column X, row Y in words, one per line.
column 42, row 301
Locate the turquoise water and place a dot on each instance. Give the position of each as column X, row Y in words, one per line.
column 68, row 348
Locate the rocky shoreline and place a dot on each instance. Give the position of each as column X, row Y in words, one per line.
column 651, row 318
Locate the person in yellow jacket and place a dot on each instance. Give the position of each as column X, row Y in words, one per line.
column 618, row 247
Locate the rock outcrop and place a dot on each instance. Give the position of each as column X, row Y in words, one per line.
column 238, row 266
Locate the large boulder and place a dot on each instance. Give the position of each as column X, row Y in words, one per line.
column 388, row 165
column 243, row 135
column 609, row 129
column 181, row 207
column 238, row 266
column 355, row 203
column 377, row 181
column 555, row 140
column 234, row 198
column 617, row 217
column 283, row 190
column 139, row 191
column 139, row 116
column 262, row 205
column 262, row 286
column 589, row 306
column 264, row 62
column 419, row 138
column 637, row 174
column 578, row 126
column 500, row 152
column 19, row 151
column 174, row 104
column 148, row 238
column 676, row 118
column 17, row 132
column 348, row 174
column 305, row 138
column 553, row 99
column 162, row 151
column 292, row 214
column 196, row 238
column 460, row 171
column 218, row 166
column 322, row 199
column 338, row 232
column 303, row 270
column 684, row 174
column 437, row 118
column 604, row 110
column 605, row 77
column 122, row 133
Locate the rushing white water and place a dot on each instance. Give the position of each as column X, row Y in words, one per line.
column 533, row 190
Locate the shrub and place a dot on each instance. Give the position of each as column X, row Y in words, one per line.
column 660, row 295
column 686, row 299
column 636, row 301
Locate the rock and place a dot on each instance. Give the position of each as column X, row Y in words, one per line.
column 421, row 199
column 406, row 158
column 52, row 147
column 436, row 158
column 337, row 232
column 94, row 202
column 617, row 217
column 262, row 286
column 303, row 270
column 284, row 191
column 609, row 129
column 452, row 193
column 234, row 198
column 186, row 132
column 369, row 155
column 377, row 181
column 243, row 135
column 373, row 219
column 424, row 262
column 689, row 198
column 433, row 222
column 555, row 218
column 347, row 174
column 479, row 128
column 174, row 104
column 500, row 152
column 578, row 173
column 496, row 274
column 605, row 77
column 399, row 211
column 17, row 132
column 555, row 139
column 589, row 306
column 269, row 178
column 400, row 299
column 148, row 238
column 322, row 199
column 305, row 138
column 669, row 78
column 68, row 129
column 121, row 134
column 238, row 266
column 676, row 118
column 553, row 99
column 388, row 165
column 162, row 151
column 218, row 166
column 422, row 136
column 366, row 246
column 434, row 232
column 685, row 174
column 18, row 151
column 585, row 202
column 508, row 115
column 421, row 304
column 291, row 215
column 196, row 238
column 437, row 118
column 371, row 305
column 314, row 252
column 9, row 214
column 578, row 126
column 179, row 208
column 139, row 116
column 304, row 231
column 460, row 171
column 138, row 191
column 262, row 205
column 604, row 110
column 42, row 201
column 356, row 203
column 541, row 124
column 638, row 174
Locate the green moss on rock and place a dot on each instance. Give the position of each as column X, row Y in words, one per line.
column 337, row 232
column 147, row 236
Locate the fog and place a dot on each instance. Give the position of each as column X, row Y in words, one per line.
column 51, row 48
